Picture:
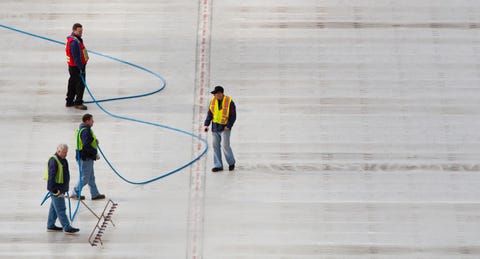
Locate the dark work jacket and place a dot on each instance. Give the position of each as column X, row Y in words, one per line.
column 52, row 186
column 88, row 152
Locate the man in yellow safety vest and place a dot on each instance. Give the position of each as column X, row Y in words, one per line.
column 58, row 178
column 222, row 114
column 87, row 153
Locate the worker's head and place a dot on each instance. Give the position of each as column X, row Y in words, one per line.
column 218, row 92
column 77, row 29
column 87, row 118
column 62, row 150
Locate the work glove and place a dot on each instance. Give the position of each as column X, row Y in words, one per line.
column 97, row 157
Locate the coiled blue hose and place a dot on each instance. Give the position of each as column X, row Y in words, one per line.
column 97, row 102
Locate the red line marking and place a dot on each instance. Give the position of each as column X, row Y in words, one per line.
column 197, row 170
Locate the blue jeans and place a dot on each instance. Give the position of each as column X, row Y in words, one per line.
column 222, row 138
column 58, row 210
column 88, row 177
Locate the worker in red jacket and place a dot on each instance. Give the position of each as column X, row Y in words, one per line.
column 77, row 58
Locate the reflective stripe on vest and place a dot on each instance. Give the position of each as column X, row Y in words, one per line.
column 80, row 142
column 220, row 116
column 59, row 174
column 83, row 51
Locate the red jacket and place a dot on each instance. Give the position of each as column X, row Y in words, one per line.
column 76, row 52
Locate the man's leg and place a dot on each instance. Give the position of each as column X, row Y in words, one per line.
column 60, row 208
column 217, row 153
column 52, row 216
column 71, row 88
column 84, row 179
column 227, row 150
column 87, row 168
column 80, row 88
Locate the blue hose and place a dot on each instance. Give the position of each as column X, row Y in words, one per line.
column 97, row 102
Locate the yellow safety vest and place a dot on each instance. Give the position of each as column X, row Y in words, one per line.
column 59, row 175
column 220, row 116
column 80, row 142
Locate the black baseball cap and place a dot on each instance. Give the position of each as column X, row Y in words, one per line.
column 218, row 89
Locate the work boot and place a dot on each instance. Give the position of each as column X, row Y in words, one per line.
column 54, row 229
column 231, row 167
column 217, row 169
column 75, row 197
column 71, row 230
column 99, row 197
column 81, row 107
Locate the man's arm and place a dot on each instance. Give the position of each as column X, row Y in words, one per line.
column 232, row 115
column 76, row 53
column 52, row 172
column 209, row 119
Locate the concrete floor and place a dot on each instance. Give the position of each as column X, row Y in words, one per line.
column 357, row 133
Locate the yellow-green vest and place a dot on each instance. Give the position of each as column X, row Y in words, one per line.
column 220, row 116
column 59, row 175
column 80, row 142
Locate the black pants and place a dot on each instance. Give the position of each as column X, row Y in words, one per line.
column 75, row 86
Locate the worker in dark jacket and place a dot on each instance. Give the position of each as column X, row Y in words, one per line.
column 58, row 178
column 87, row 153
column 222, row 114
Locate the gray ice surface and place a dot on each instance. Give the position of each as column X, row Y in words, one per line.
column 357, row 133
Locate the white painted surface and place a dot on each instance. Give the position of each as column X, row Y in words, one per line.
column 357, row 132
